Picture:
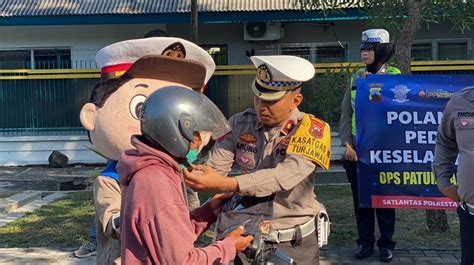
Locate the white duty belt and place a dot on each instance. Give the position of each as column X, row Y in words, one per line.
column 323, row 226
column 286, row 235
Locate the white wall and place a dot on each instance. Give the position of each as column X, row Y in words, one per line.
column 300, row 32
column 84, row 41
column 30, row 150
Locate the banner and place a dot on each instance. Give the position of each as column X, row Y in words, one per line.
column 397, row 117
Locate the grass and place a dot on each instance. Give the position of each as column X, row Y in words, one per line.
column 410, row 227
column 6, row 195
column 66, row 222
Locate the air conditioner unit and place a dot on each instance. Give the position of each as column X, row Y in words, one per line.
column 262, row 31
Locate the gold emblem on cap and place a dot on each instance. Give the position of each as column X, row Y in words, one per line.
column 119, row 73
column 175, row 50
column 263, row 74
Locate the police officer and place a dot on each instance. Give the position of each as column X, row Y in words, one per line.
column 275, row 193
column 375, row 52
column 456, row 138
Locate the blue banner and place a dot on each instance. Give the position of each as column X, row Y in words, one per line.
column 397, row 117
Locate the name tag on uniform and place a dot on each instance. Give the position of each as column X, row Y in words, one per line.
column 312, row 140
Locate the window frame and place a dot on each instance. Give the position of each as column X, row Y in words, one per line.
column 435, row 45
column 32, row 52
column 313, row 47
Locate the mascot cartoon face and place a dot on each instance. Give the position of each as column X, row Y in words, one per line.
column 130, row 71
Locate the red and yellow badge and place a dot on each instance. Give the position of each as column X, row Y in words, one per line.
column 312, row 140
column 317, row 128
column 248, row 138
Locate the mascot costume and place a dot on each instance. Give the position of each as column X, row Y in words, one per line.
column 130, row 71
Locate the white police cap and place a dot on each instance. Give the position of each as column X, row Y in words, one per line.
column 171, row 59
column 278, row 74
column 372, row 37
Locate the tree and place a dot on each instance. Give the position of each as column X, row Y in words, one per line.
column 403, row 19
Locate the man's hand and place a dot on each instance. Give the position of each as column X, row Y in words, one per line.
column 452, row 193
column 350, row 154
column 205, row 178
column 241, row 242
column 218, row 201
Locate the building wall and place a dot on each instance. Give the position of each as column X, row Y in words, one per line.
column 84, row 41
column 302, row 32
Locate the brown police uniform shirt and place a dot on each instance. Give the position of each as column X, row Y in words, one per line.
column 456, row 136
column 261, row 154
column 107, row 198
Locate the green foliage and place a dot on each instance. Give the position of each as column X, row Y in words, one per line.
column 390, row 14
column 323, row 95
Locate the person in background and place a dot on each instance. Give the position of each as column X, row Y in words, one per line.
column 375, row 52
column 455, row 139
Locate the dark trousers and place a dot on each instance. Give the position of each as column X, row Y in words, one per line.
column 466, row 227
column 306, row 253
column 93, row 233
column 365, row 217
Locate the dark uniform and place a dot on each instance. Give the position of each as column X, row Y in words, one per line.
column 456, row 140
column 365, row 217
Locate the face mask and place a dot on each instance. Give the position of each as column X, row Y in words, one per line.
column 191, row 157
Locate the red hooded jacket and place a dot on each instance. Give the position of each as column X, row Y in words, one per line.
column 156, row 225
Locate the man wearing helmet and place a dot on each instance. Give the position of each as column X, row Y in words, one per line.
column 275, row 194
column 375, row 52
column 157, row 227
column 130, row 71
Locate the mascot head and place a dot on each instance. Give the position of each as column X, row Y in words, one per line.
column 130, row 71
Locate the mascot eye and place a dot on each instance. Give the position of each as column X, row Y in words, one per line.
column 136, row 105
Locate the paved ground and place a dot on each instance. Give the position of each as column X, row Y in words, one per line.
column 31, row 178
column 332, row 255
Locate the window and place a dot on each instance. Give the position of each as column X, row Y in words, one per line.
column 421, row 52
column 313, row 52
column 330, row 54
column 52, row 59
column 453, row 51
column 441, row 49
column 35, row 58
column 303, row 52
column 19, row 59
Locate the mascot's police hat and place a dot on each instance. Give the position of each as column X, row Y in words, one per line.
column 163, row 58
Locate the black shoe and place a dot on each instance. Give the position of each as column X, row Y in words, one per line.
column 386, row 255
column 364, row 252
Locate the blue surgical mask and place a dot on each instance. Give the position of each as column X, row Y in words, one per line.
column 191, row 157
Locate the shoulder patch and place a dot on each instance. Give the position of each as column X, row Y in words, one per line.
column 312, row 140
column 248, row 138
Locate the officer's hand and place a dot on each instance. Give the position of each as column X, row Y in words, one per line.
column 240, row 242
column 218, row 201
column 205, row 178
column 350, row 154
column 451, row 192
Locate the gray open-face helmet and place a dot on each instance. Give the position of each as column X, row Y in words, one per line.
column 171, row 114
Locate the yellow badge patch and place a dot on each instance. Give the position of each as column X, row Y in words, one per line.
column 312, row 140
